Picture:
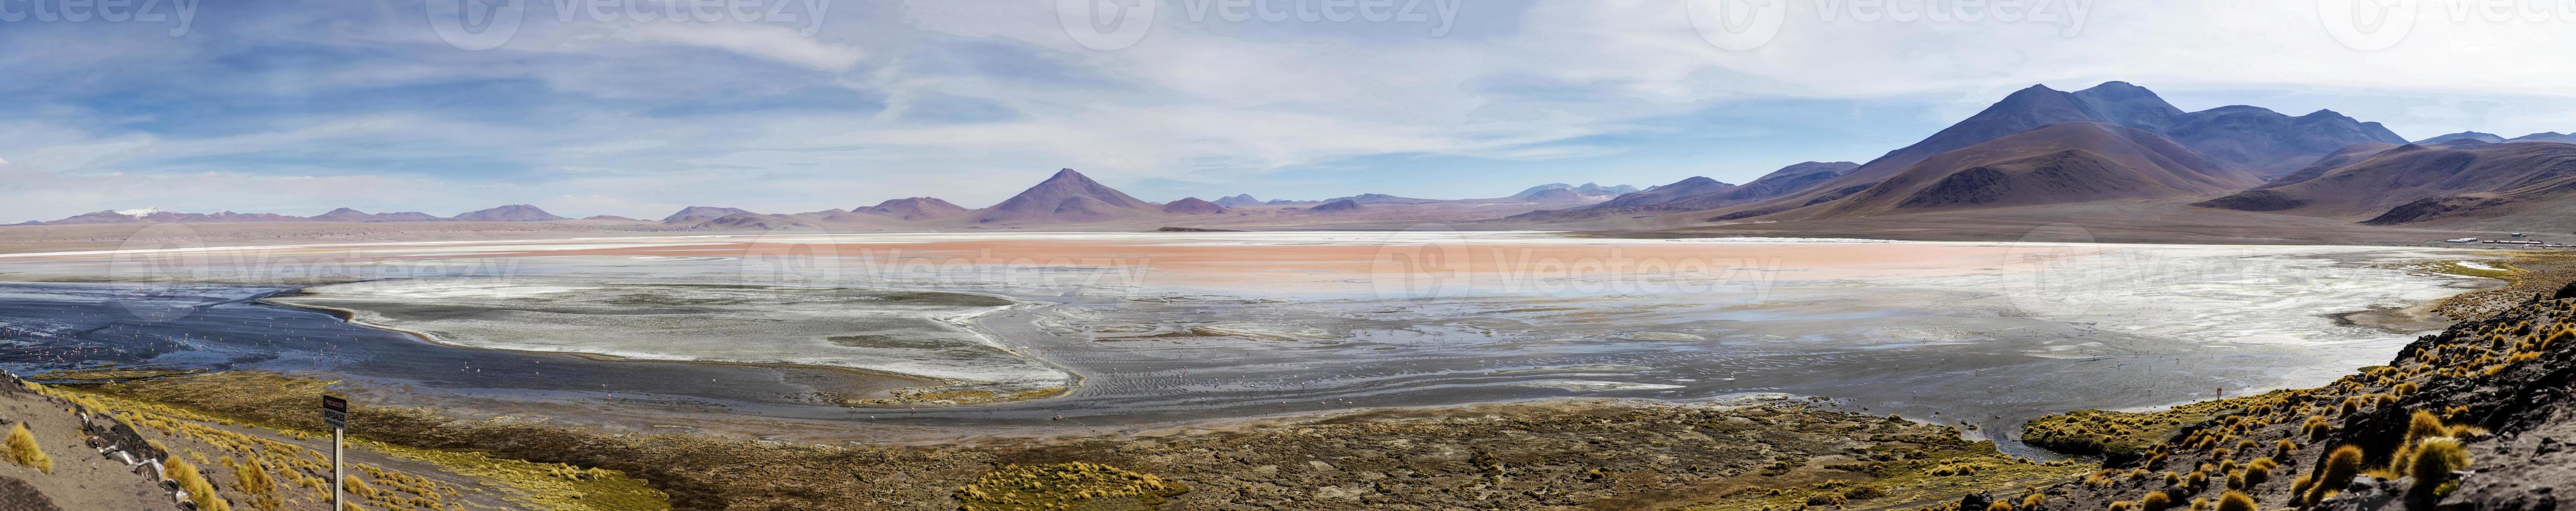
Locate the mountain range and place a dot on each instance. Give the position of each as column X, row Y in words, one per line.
column 510, row 213
column 2114, row 143
column 2461, row 182
column 2118, row 143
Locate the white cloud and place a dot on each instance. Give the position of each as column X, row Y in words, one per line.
column 767, row 41
column 769, row 119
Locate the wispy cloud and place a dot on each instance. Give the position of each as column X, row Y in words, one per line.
column 303, row 105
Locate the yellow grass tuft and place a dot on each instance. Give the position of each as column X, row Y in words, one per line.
column 2435, row 459
column 2236, row 501
column 2341, row 464
column 24, row 450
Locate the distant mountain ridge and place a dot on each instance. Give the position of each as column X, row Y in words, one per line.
column 695, row 214
column 2462, row 182
column 512, row 213
column 1585, row 189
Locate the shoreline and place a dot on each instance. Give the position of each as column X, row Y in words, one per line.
column 1073, row 379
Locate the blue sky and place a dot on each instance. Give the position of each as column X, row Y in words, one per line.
column 298, row 107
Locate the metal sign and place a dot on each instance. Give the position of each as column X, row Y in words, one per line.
column 335, row 412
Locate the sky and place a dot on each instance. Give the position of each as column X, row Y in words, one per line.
column 640, row 107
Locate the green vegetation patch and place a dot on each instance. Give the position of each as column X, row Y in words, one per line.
column 2109, row 432
column 1074, row 485
column 1902, row 475
column 2507, row 271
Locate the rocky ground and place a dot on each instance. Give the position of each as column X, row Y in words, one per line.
column 2477, row 417
column 1751, row 454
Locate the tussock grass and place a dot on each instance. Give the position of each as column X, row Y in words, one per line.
column 2435, row 459
column 2341, row 464
column 24, row 450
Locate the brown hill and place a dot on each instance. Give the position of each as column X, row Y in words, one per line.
column 2056, row 164
column 913, row 208
column 2331, row 161
column 1066, row 197
column 2457, row 184
column 1194, row 206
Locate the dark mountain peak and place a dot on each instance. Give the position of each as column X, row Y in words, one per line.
column 1692, row 181
column 1554, row 195
column 1238, row 200
column 1067, row 196
column 1339, row 205
column 2327, row 114
column 2117, row 89
column 510, row 213
column 1193, row 206
column 2034, row 90
column 701, row 213
column 1067, row 175
column 2241, row 108
column 343, row 215
column 2465, row 135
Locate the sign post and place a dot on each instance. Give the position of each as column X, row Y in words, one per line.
column 335, row 413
